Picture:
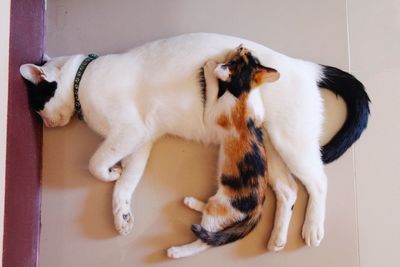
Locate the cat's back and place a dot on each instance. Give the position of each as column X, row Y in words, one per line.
column 176, row 58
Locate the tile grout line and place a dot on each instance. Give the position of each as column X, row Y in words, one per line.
column 354, row 146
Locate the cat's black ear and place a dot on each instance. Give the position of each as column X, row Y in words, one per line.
column 265, row 75
column 45, row 58
column 32, row 73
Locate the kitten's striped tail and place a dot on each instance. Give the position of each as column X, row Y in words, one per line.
column 230, row 234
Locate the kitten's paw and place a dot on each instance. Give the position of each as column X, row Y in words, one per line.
column 175, row 253
column 193, row 203
column 123, row 221
column 313, row 233
column 276, row 242
column 189, row 201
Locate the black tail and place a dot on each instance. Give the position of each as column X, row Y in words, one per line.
column 230, row 234
column 357, row 101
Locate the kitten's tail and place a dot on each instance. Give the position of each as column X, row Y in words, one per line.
column 357, row 101
column 230, row 234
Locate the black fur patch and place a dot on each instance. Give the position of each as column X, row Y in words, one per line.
column 202, row 81
column 230, row 234
column 41, row 93
column 245, row 204
column 241, row 75
column 357, row 101
column 232, row 182
column 256, row 131
column 251, row 168
column 222, row 88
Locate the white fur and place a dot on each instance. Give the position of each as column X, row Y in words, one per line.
column 132, row 99
column 222, row 72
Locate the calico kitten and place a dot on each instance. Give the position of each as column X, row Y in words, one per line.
column 231, row 108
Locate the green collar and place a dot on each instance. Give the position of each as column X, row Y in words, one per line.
column 77, row 80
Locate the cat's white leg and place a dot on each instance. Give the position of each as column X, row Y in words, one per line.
column 134, row 166
column 285, row 188
column 316, row 183
column 304, row 160
column 114, row 148
column 187, row 250
column 194, row 203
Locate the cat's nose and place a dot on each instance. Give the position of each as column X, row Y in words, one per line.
column 49, row 123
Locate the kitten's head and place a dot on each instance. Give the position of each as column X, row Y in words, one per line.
column 243, row 72
column 48, row 94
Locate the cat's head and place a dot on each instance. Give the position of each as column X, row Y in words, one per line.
column 243, row 72
column 49, row 94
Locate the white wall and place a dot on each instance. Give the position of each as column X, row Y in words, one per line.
column 4, row 51
column 375, row 58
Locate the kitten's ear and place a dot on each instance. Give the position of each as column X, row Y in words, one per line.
column 32, row 73
column 241, row 50
column 265, row 75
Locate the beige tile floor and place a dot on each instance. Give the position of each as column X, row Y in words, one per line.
column 77, row 227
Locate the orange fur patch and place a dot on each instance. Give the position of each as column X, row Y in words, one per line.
column 239, row 114
column 224, row 121
column 259, row 78
column 236, row 147
column 231, row 193
column 215, row 208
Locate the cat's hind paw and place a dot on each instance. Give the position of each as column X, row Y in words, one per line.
column 312, row 233
column 123, row 221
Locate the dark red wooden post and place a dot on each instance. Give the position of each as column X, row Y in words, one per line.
column 24, row 140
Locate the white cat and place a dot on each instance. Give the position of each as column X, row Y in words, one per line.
column 132, row 99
